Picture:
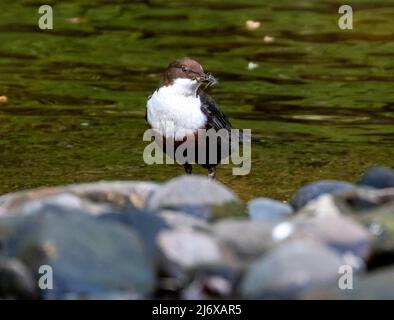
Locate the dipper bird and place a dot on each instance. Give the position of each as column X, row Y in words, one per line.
column 179, row 108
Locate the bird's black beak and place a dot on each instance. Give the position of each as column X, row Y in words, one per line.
column 208, row 79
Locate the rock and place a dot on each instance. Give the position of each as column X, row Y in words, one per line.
column 377, row 285
column 363, row 202
column 89, row 257
column 189, row 249
column 179, row 220
column 195, row 195
column 356, row 203
column 94, row 198
column 147, row 225
column 212, row 282
column 265, row 209
column 378, row 177
column 350, row 239
column 16, row 281
column 372, row 208
column 288, row 270
column 118, row 193
column 323, row 206
column 248, row 239
column 127, row 240
column 381, row 227
column 314, row 190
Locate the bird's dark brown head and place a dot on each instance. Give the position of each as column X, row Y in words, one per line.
column 189, row 69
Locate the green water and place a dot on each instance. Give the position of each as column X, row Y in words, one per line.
column 321, row 100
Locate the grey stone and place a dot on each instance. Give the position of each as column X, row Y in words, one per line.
column 372, row 208
column 16, row 280
column 265, row 209
column 93, row 198
column 378, row 177
column 89, row 257
column 188, row 249
column 381, row 228
column 314, row 190
column 347, row 237
column 179, row 220
column 147, row 225
column 325, row 205
column 356, row 203
column 364, row 201
column 212, row 282
column 248, row 239
column 195, row 195
column 289, row 269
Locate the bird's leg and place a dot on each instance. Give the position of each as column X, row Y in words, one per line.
column 188, row 168
column 211, row 173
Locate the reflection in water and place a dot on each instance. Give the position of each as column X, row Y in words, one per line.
column 320, row 102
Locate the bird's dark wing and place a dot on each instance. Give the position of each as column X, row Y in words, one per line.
column 216, row 119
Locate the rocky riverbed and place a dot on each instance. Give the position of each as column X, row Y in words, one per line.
column 192, row 238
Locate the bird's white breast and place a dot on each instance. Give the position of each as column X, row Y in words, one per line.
column 175, row 110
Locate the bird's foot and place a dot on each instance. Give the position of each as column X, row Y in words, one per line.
column 188, row 168
column 211, row 173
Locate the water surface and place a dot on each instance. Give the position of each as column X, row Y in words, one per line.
column 321, row 100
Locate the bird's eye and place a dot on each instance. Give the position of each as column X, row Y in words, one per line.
column 184, row 69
